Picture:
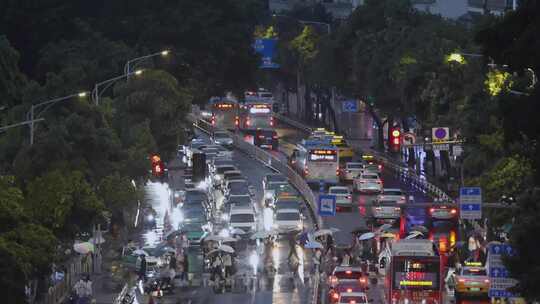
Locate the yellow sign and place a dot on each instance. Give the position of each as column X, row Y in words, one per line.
column 416, row 283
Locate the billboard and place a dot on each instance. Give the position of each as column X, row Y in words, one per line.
column 266, row 47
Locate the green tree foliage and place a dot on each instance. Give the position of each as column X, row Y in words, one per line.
column 26, row 248
column 12, row 80
column 63, row 202
column 305, row 45
column 118, row 195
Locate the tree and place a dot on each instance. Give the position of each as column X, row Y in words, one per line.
column 12, row 81
column 118, row 195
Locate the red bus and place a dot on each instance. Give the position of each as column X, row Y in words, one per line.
column 414, row 275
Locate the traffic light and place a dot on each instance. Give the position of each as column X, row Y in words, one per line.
column 395, row 139
column 157, row 165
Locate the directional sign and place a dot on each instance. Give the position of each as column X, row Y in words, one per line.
column 441, row 147
column 327, row 205
column 440, row 134
column 266, row 48
column 349, row 106
column 499, row 275
column 470, row 203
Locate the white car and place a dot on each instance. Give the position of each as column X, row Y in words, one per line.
column 385, row 209
column 351, row 170
column 393, row 194
column 288, row 220
column 217, row 174
column 244, row 219
column 353, row 298
column 368, row 183
column 343, row 196
column 222, row 138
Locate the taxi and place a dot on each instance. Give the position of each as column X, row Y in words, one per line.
column 472, row 281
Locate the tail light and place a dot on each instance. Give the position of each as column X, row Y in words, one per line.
column 348, row 272
column 397, row 209
column 248, row 122
column 335, row 295
column 378, row 208
column 380, row 167
column 453, row 211
column 403, row 198
column 461, row 280
column 486, row 281
column 348, row 197
column 275, row 137
column 333, row 280
column 237, row 121
column 271, row 121
column 352, row 302
column 349, row 289
column 452, row 238
column 362, row 281
column 261, row 136
column 431, row 210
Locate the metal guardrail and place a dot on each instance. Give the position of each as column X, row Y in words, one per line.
column 273, row 162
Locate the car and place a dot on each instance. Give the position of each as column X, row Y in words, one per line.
column 343, row 196
column 193, row 216
column 351, row 170
column 238, row 201
column 343, row 287
column 288, row 220
column 195, row 232
column 222, row 138
column 237, row 187
column 219, row 161
column 266, row 138
column 218, row 172
column 194, row 145
column 443, row 212
column 243, row 219
column 273, row 178
column 393, row 194
column 231, row 175
column 371, row 167
column 367, row 183
column 286, row 203
column 270, row 189
column 385, row 208
column 353, row 298
column 353, row 274
column 472, row 281
column 195, row 197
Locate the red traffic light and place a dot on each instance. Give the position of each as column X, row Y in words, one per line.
column 155, row 159
column 395, row 139
column 158, row 169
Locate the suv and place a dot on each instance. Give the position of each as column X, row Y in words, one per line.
column 242, row 218
column 266, row 138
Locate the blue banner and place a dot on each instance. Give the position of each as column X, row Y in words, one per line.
column 266, row 48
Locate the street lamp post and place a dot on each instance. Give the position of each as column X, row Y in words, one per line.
column 33, row 117
column 129, row 63
column 96, row 93
column 328, row 28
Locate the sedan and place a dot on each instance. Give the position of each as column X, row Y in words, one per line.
column 343, row 196
column 351, row 170
column 368, row 183
column 472, row 281
column 393, row 194
column 222, row 138
column 385, row 209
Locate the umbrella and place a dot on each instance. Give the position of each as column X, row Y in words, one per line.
column 334, row 229
column 414, row 234
column 237, row 231
column 313, row 245
column 387, row 235
column 366, row 236
column 98, row 240
column 226, row 248
column 360, row 230
column 229, row 239
column 83, row 248
column 419, row 228
column 262, row 234
column 214, row 238
column 384, row 227
column 322, row 232
column 140, row 252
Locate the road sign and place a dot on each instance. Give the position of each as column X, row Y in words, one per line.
column 457, row 150
column 266, row 48
column 470, row 203
column 499, row 275
column 349, row 106
column 327, row 205
column 409, row 138
column 440, row 134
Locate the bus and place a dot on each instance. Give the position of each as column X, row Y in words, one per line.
column 224, row 114
column 316, row 161
column 346, row 153
column 414, row 275
column 255, row 114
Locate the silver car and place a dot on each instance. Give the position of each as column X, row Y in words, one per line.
column 222, row 138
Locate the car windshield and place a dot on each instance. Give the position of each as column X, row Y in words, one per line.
column 370, row 176
column 195, row 196
column 353, row 299
column 287, row 216
column 221, row 135
column 240, row 190
column 339, row 191
column 241, row 204
column 239, row 199
column 267, row 133
column 194, row 216
column 232, row 174
column 221, row 170
column 354, row 166
column 276, row 186
column 239, row 184
column 393, row 192
column 275, row 178
column 473, row 272
column 287, row 205
column 242, row 218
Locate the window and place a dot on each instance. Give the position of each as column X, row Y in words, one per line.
column 288, row 216
column 339, row 191
column 242, row 218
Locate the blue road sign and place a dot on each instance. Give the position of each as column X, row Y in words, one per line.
column 327, row 205
column 470, row 202
column 349, row 106
column 266, row 48
column 500, row 278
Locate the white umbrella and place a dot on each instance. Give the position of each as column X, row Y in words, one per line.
column 322, row 232
column 215, row 238
column 383, row 228
column 366, row 236
column 229, row 239
column 313, row 245
column 238, row 231
column 83, row 247
column 226, row 248
column 413, row 235
column 98, row 240
column 335, row 229
column 140, row 252
column 262, row 234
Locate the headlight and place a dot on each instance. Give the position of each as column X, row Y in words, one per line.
column 149, row 218
column 177, row 195
column 268, row 195
column 218, row 177
column 300, row 225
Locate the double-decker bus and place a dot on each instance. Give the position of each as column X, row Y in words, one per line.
column 414, row 275
column 256, row 114
column 224, row 114
column 316, row 161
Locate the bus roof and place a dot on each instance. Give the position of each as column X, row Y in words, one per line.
column 311, row 143
column 413, row 247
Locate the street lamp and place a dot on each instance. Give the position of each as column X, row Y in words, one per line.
column 96, row 93
column 33, row 117
column 128, row 66
column 328, row 28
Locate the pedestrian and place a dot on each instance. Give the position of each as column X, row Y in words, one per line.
column 292, row 248
column 317, row 256
column 180, row 266
column 83, row 289
column 172, row 262
column 329, row 242
column 346, row 261
column 142, row 270
column 227, row 263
